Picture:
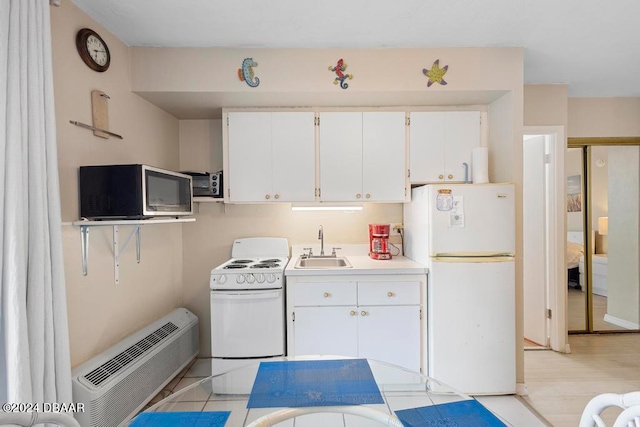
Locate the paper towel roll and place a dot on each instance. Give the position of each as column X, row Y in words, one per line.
column 480, row 165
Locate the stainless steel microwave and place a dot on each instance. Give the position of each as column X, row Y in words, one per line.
column 133, row 192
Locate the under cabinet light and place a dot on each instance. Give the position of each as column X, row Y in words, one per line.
column 326, row 208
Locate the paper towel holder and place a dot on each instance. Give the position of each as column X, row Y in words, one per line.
column 466, row 173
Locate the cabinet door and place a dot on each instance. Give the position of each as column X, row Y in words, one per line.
column 326, row 330
column 383, row 156
column 249, row 157
column 426, row 146
column 390, row 334
column 462, row 136
column 341, row 157
column 293, row 156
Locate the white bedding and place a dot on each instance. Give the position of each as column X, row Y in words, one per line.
column 575, row 248
column 574, row 252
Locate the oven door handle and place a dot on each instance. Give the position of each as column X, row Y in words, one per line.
column 246, row 295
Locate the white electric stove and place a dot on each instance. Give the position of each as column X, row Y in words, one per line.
column 247, row 303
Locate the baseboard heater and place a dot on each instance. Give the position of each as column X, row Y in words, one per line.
column 116, row 384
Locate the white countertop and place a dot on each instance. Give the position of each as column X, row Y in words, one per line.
column 361, row 264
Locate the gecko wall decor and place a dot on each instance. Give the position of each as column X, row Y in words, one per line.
column 339, row 69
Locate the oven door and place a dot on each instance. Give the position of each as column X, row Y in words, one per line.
column 247, row 323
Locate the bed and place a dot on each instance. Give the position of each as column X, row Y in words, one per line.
column 575, row 265
column 575, row 252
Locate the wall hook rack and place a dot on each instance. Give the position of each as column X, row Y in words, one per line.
column 95, row 129
column 100, row 115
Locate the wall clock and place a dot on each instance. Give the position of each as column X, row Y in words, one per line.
column 93, row 50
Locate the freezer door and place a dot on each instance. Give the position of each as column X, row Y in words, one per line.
column 471, row 219
column 471, row 325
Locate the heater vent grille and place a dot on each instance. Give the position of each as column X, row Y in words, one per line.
column 111, row 367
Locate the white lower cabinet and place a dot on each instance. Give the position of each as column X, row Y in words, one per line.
column 379, row 320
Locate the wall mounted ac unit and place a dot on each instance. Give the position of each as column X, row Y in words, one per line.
column 116, row 384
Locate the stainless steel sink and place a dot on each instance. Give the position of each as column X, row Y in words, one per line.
column 323, row 262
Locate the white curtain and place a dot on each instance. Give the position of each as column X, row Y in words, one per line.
column 34, row 337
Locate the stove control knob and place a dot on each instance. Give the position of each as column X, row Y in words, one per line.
column 271, row 278
column 250, row 278
column 222, row 279
column 240, row 278
column 260, row 278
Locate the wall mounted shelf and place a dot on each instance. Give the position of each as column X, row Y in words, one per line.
column 84, row 233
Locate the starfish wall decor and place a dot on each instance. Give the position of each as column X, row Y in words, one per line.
column 436, row 73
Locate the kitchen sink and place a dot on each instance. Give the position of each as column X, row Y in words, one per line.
column 323, row 262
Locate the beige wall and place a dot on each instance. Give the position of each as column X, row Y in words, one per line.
column 101, row 313
column 545, row 105
column 598, row 117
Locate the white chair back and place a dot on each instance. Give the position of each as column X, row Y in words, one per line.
column 630, row 417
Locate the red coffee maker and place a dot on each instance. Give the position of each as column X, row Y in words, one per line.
column 379, row 241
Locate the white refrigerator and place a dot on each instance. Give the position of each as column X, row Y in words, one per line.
column 465, row 235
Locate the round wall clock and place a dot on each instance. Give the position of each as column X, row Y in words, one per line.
column 93, row 50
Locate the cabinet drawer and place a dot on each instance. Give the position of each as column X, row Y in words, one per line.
column 388, row 293
column 329, row 293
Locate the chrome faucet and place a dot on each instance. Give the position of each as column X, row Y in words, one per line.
column 321, row 238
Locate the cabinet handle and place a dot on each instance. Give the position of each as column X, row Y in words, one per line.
column 368, row 196
column 358, row 196
column 326, row 295
column 267, row 197
column 441, row 176
column 353, row 313
column 390, row 294
column 277, row 196
column 450, row 176
column 363, row 313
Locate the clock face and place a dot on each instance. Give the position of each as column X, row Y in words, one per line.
column 93, row 50
column 97, row 50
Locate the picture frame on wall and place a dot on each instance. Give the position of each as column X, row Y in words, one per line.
column 574, row 193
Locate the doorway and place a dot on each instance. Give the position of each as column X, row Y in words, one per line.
column 603, row 224
column 544, row 294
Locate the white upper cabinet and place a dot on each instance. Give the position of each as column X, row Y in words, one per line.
column 440, row 143
column 362, row 156
column 271, row 156
column 293, row 156
column 341, row 157
column 384, row 168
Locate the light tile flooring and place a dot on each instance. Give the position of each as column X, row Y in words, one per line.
column 560, row 385
column 514, row 409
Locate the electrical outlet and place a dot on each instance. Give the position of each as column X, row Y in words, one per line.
column 395, row 228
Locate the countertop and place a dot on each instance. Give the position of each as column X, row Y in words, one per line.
column 361, row 264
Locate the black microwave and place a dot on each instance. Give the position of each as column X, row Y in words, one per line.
column 133, row 192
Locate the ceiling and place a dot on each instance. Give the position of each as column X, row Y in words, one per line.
column 593, row 46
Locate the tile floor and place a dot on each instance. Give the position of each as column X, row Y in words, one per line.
column 514, row 409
